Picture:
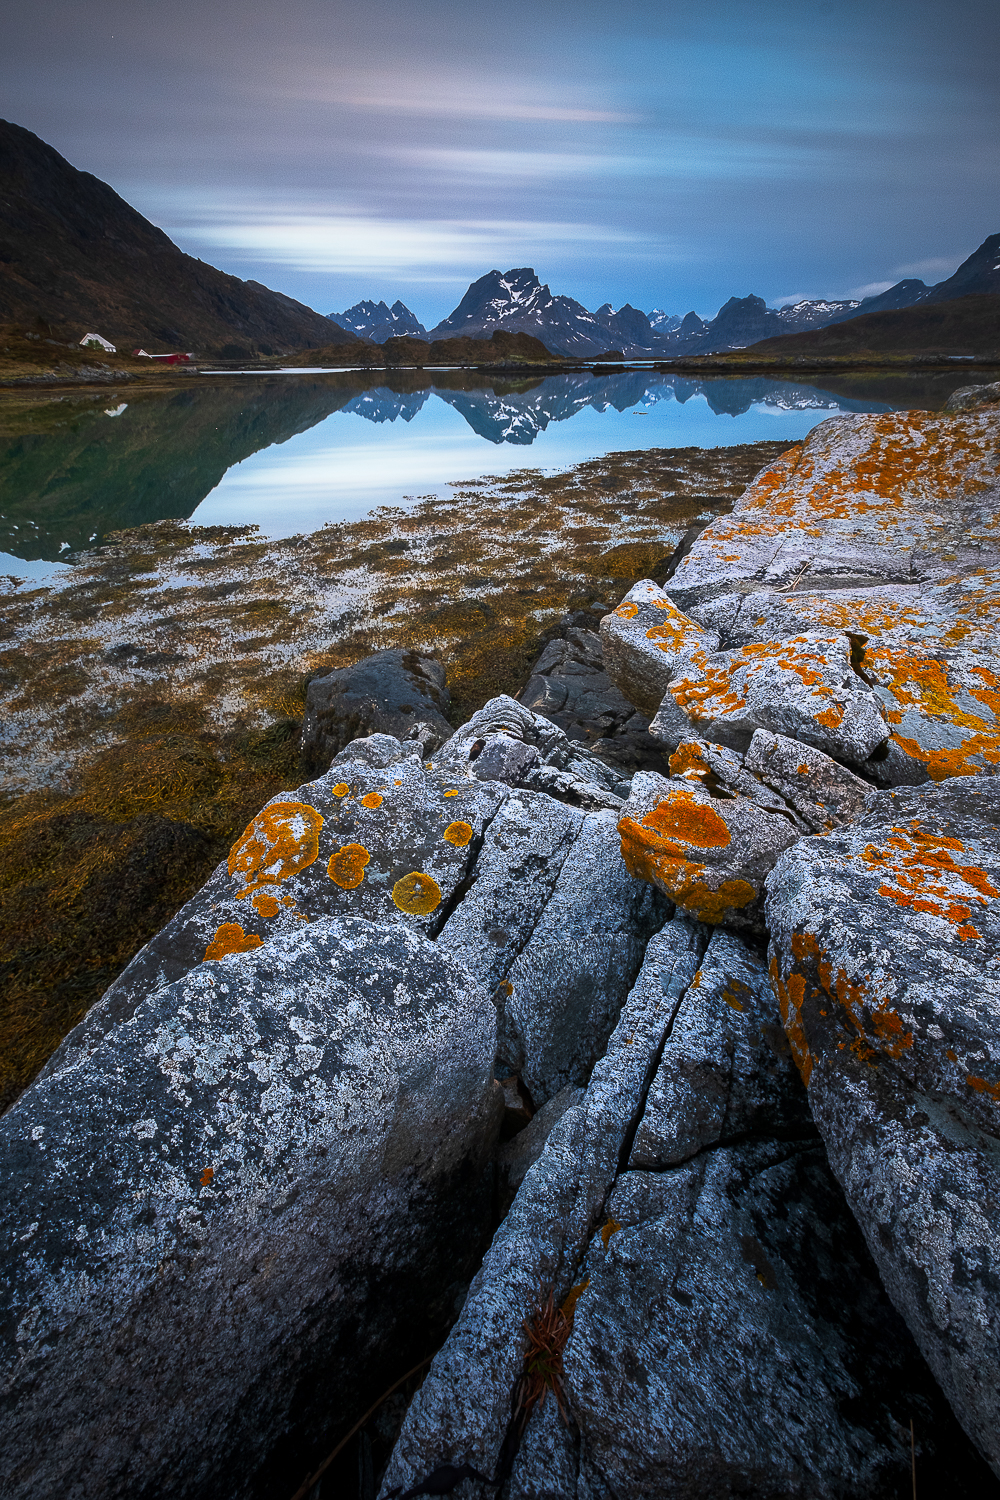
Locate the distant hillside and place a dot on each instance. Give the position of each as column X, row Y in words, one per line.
column 76, row 256
column 502, row 349
column 966, row 325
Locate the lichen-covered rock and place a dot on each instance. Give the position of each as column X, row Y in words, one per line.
column 886, row 959
column 275, row 1163
column 644, row 638
column 389, row 839
column 709, row 854
column 728, row 1332
column 723, row 772
column 823, row 793
column 971, row 396
column 896, row 498
column 804, row 687
column 401, row 693
column 943, row 709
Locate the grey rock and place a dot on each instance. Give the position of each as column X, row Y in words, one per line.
column 515, row 1156
column 338, row 846
column 401, row 693
column 463, row 1409
column 725, row 773
column 943, row 709
column 822, row 792
column 804, row 687
column 276, row 1161
column 709, row 854
column 885, row 938
column 644, row 638
column 968, row 397
column 730, row 1336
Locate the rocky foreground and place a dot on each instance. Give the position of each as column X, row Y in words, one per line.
column 664, row 1071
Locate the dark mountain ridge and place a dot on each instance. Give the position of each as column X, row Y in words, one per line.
column 378, row 322
column 76, row 256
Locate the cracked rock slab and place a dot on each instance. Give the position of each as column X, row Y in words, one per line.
column 886, row 960
column 275, row 1160
column 709, row 854
column 943, row 709
column 823, row 793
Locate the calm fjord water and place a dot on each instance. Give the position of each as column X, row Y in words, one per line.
column 290, row 453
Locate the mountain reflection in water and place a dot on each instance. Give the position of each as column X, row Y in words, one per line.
column 70, row 475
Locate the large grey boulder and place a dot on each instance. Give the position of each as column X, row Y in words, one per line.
column 644, row 638
column 228, row 1221
column 729, row 1335
column 402, row 693
column 885, row 943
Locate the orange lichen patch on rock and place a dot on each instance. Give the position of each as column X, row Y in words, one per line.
column 206, row 1176
column 346, row 868
column 790, row 994
column 458, row 834
column 265, row 906
column 923, row 875
column 452, row 793
column 417, row 894
column 371, row 800
column 732, row 1001
column 980, row 1086
column 342, row 789
column 230, row 938
column 287, row 900
column 683, row 819
column 573, row 1296
column 627, row 611
column 919, row 689
column 281, row 841
column 607, row 1230
column 832, row 717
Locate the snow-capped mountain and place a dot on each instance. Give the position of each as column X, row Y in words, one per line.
column 377, row 322
column 517, row 301
column 663, row 322
column 795, row 317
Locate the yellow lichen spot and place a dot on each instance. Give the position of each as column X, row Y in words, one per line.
column 371, row 800
column 453, row 793
column 230, row 938
column 281, row 841
column 458, row 834
column 397, row 783
column 627, row 611
column 342, row 789
column 417, row 894
column 610, row 1228
column 265, row 906
column 347, row 867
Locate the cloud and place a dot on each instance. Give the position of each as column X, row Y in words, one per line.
column 524, row 165
column 938, row 266
column 314, row 238
column 871, row 288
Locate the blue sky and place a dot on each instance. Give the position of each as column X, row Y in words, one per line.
column 655, row 153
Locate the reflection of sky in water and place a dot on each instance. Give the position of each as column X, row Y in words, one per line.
column 346, row 464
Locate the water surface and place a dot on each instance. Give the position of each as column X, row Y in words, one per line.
column 291, row 453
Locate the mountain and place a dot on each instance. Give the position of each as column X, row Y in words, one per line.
column 76, row 256
column 377, row 322
column 903, row 294
column 963, row 326
column 747, row 320
column 517, row 301
column 505, row 347
column 663, row 322
column 977, row 276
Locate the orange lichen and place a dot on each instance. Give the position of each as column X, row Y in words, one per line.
column 980, row 1086
column 458, row 834
column 610, row 1228
column 923, row 875
column 572, row 1298
column 230, row 938
column 732, row 1001
column 342, row 789
column 206, row 1176
column 265, row 906
column 281, row 841
column 683, row 819
column 920, row 684
column 417, row 894
column 346, row 868
column 790, row 994
column 627, row 611
column 452, row 793
column 371, row 800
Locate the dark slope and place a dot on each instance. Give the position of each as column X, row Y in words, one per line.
column 965, row 325
column 75, row 255
column 979, row 275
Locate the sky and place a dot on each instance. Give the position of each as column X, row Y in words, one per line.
column 639, row 151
